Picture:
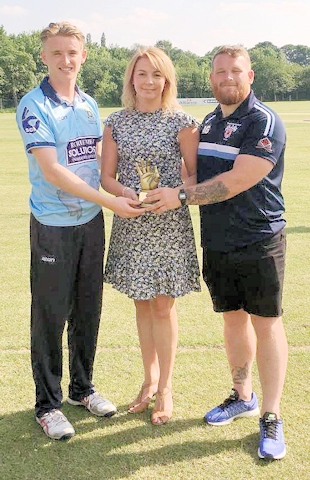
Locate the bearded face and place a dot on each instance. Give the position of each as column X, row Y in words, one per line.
column 231, row 79
column 230, row 94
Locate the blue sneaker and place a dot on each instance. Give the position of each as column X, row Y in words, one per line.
column 271, row 445
column 232, row 408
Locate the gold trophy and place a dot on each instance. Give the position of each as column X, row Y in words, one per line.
column 149, row 179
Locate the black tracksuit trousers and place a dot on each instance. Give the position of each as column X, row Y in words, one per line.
column 66, row 276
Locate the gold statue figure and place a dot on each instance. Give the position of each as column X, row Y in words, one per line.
column 149, row 177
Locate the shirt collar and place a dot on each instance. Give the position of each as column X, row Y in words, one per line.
column 244, row 108
column 51, row 93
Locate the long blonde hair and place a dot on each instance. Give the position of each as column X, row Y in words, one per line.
column 160, row 60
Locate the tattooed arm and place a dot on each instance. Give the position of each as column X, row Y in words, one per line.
column 246, row 172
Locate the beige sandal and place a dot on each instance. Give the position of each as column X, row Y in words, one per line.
column 141, row 403
column 161, row 413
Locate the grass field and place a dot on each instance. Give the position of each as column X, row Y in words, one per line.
column 126, row 446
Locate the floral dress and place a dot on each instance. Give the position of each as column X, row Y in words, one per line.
column 152, row 254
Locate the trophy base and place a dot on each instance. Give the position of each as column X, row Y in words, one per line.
column 142, row 197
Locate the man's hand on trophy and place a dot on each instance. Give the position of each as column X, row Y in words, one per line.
column 149, row 175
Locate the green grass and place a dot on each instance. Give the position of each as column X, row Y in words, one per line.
column 128, row 446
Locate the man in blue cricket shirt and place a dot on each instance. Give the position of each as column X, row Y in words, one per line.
column 62, row 133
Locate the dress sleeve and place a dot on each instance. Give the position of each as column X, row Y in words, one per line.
column 185, row 120
column 111, row 121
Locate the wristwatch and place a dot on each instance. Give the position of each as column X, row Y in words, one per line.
column 182, row 197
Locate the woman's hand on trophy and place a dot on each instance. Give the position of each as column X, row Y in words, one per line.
column 129, row 193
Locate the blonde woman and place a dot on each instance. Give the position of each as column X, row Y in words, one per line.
column 153, row 258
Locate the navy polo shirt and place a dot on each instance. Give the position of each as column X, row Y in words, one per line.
column 257, row 213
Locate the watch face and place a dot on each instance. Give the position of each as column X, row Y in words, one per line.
column 182, row 197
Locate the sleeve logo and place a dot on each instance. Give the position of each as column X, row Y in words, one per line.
column 265, row 144
column 30, row 122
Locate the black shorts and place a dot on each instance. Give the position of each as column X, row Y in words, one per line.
column 249, row 278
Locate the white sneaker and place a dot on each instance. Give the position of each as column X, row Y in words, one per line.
column 55, row 425
column 96, row 405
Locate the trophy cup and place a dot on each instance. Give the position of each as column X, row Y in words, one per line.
column 149, row 179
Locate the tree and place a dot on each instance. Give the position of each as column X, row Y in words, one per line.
column 304, row 82
column 31, row 43
column 164, row 45
column 19, row 68
column 274, row 75
column 2, row 80
column 193, row 74
column 103, row 40
column 279, row 73
column 267, row 46
column 96, row 78
column 299, row 54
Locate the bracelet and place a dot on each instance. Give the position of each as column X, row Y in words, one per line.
column 124, row 189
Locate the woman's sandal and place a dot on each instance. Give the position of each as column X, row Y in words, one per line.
column 141, row 403
column 162, row 414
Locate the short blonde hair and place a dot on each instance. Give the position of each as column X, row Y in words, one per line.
column 234, row 51
column 160, row 60
column 62, row 28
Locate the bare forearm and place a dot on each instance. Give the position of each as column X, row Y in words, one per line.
column 191, row 180
column 247, row 172
column 111, row 185
column 75, row 186
column 213, row 191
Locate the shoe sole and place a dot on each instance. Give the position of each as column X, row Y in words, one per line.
column 108, row 414
column 271, row 457
column 250, row 413
column 66, row 436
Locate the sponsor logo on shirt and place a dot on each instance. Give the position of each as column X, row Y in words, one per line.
column 30, row 122
column 265, row 144
column 48, row 259
column 81, row 150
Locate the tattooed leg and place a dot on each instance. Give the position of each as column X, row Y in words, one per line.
column 240, row 374
column 240, row 343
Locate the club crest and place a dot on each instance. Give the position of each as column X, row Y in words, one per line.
column 90, row 114
column 230, row 129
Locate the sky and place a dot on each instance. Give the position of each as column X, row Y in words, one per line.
column 197, row 26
